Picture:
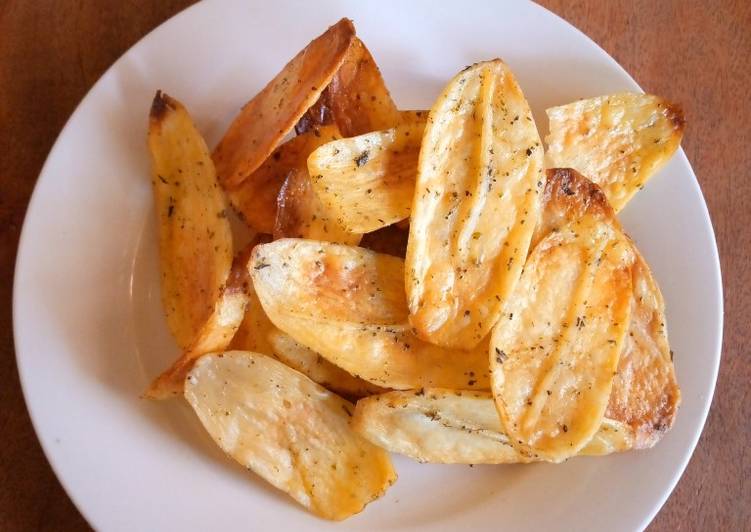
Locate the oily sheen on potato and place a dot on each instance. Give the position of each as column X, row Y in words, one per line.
column 289, row 430
column 618, row 141
column 457, row 427
column 348, row 304
column 356, row 100
column 255, row 199
column 368, row 181
column 195, row 241
column 266, row 119
column 303, row 359
column 554, row 353
column 645, row 395
column 476, row 204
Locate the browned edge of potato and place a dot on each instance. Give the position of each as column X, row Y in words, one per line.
column 357, row 99
column 267, row 118
column 645, row 396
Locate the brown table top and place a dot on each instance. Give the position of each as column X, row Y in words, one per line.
column 695, row 53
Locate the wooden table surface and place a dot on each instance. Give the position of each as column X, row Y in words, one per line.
column 696, row 53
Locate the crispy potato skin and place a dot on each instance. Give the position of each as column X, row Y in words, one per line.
column 475, row 206
column 618, row 141
column 289, row 430
column 645, row 394
column 568, row 196
column 255, row 199
column 272, row 113
column 195, row 242
column 356, row 100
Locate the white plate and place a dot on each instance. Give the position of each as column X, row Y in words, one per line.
column 88, row 325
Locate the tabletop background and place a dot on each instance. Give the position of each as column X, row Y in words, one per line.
column 693, row 52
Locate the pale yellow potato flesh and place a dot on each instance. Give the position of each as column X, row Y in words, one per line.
column 368, row 181
column 195, row 242
column 317, row 368
column 618, row 141
column 456, row 427
column 476, row 204
column 348, row 304
column 555, row 351
column 255, row 198
column 289, row 430
column 645, row 394
column 267, row 118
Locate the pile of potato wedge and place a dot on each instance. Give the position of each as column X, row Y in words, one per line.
column 436, row 283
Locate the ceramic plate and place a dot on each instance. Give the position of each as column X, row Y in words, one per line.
column 89, row 328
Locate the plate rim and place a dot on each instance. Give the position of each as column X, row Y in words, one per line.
column 23, row 244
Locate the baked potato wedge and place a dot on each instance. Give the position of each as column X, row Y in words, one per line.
column 255, row 199
column 555, row 352
column 267, row 118
column 289, row 430
column 195, row 242
column 318, row 369
column 618, row 141
column 348, row 304
column 645, row 394
column 368, row 181
column 356, row 100
column 456, row 427
column 476, row 204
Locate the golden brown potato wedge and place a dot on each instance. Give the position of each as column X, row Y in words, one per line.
column 555, row 352
column 456, row 427
column 217, row 333
column 318, row 369
column 266, row 119
column 301, row 214
column 348, row 304
column 195, row 242
column 476, row 204
column 618, row 141
column 255, row 198
column 356, row 100
column 289, row 430
column 645, row 394
column 368, row 181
